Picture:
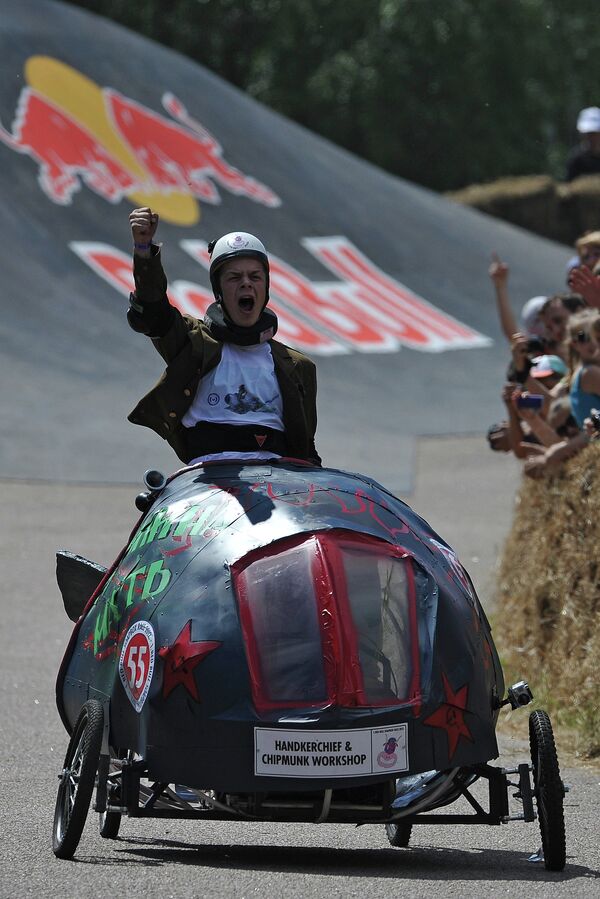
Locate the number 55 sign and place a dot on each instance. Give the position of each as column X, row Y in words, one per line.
column 136, row 663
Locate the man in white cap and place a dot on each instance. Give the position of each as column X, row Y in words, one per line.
column 585, row 159
column 229, row 391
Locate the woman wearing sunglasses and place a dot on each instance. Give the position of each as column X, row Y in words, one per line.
column 584, row 364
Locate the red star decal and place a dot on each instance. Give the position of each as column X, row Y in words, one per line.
column 180, row 659
column 450, row 716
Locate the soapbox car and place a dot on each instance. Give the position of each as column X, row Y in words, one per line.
column 282, row 642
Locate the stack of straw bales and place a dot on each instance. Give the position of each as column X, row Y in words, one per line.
column 537, row 203
column 548, row 608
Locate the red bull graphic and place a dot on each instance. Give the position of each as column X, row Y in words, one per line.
column 81, row 134
column 179, row 157
column 324, row 318
column 366, row 310
column 114, row 266
column 408, row 317
column 66, row 153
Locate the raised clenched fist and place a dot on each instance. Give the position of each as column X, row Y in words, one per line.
column 143, row 223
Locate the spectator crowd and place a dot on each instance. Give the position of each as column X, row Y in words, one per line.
column 552, row 388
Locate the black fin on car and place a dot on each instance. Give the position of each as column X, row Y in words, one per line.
column 77, row 579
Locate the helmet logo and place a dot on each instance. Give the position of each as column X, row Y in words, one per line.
column 237, row 242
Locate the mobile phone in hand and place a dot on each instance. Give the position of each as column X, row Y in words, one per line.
column 530, row 401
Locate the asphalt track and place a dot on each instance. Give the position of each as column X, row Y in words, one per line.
column 70, row 465
column 179, row 859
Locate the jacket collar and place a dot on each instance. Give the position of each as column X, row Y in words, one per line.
column 282, row 357
column 210, row 350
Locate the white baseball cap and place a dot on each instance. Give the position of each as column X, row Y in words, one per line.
column 530, row 316
column 588, row 120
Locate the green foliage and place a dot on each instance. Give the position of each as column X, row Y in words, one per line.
column 444, row 94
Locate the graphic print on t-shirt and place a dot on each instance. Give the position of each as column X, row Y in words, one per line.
column 241, row 390
column 243, row 401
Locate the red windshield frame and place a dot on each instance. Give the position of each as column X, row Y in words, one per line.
column 344, row 685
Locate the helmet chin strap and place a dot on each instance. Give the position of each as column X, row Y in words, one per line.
column 222, row 328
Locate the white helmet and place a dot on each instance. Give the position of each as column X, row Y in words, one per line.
column 237, row 243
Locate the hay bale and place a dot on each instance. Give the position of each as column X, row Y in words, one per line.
column 530, row 201
column 579, row 203
column 549, row 595
column 559, row 211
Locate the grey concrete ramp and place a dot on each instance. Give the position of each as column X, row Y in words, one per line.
column 385, row 284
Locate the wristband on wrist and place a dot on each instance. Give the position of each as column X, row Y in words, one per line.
column 142, row 246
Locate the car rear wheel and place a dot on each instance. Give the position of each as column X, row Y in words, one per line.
column 110, row 822
column 398, row 834
column 548, row 790
column 77, row 780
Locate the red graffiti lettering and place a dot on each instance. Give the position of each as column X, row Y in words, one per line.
column 179, row 549
column 292, row 499
column 340, row 498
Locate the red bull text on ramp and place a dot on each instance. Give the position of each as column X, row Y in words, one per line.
column 82, row 135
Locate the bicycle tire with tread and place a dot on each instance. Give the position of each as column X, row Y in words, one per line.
column 75, row 793
column 548, row 790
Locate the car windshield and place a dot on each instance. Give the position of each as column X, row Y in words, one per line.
column 330, row 620
column 379, row 596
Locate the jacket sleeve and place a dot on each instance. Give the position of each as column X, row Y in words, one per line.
column 310, row 408
column 150, row 311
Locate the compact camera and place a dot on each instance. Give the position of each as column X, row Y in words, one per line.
column 519, row 695
column 535, row 347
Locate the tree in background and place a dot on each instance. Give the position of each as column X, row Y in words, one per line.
column 443, row 94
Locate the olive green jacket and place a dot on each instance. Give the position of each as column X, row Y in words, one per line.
column 191, row 352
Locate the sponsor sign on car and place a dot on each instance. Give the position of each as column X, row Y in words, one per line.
column 335, row 753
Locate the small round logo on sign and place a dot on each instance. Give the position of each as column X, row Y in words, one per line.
column 136, row 663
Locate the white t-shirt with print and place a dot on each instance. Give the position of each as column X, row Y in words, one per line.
column 241, row 390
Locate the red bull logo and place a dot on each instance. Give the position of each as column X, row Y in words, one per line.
column 81, row 134
column 364, row 311
column 67, row 154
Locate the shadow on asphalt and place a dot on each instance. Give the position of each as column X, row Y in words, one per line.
column 431, row 862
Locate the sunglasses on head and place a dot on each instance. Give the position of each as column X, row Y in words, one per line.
column 590, row 254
